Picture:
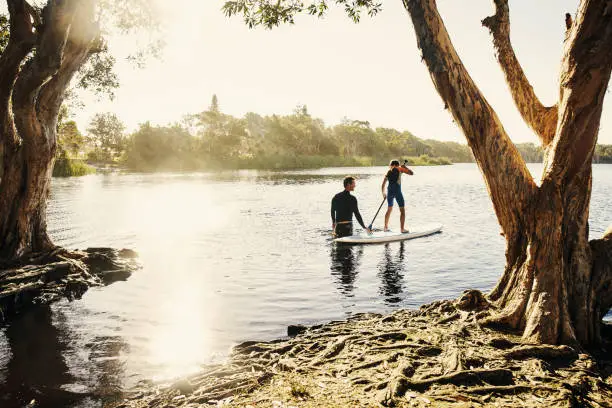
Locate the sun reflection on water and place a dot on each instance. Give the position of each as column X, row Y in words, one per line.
column 166, row 219
column 182, row 337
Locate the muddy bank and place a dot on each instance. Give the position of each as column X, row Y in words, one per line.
column 437, row 356
column 60, row 274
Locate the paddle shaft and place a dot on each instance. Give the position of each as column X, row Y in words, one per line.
column 381, row 204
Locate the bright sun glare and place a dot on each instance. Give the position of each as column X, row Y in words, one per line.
column 181, row 338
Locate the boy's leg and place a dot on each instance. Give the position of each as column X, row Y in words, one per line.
column 390, row 198
column 387, row 216
column 400, row 203
column 402, row 219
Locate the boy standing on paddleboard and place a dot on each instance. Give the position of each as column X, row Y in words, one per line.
column 343, row 206
column 394, row 191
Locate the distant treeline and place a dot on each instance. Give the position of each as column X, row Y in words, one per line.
column 212, row 139
column 533, row 153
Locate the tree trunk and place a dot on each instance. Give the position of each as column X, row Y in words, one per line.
column 24, row 189
column 548, row 287
column 31, row 92
column 556, row 286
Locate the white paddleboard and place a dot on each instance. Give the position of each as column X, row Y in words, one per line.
column 389, row 236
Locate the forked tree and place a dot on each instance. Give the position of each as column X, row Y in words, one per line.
column 47, row 46
column 556, row 286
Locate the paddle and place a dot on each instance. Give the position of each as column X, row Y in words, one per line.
column 381, row 204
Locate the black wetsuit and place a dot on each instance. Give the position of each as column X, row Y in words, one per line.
column 343, row 206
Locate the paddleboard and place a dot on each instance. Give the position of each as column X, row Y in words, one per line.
column 378, row 237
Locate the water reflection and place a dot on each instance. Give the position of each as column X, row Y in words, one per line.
column 391, row 273
column 106, row 374
column 298, row 177
column 345, row 264
column 36, row 369
column 345, row 260
column 49, row 366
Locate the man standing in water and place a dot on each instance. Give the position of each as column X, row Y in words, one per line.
column 394, row 191
column 343, row 206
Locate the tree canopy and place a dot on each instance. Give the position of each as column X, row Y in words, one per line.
column 271, row 13
column 113, row 17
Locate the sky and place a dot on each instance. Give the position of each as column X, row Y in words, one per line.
column 367, row 71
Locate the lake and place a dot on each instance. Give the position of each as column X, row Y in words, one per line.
column 237, row 256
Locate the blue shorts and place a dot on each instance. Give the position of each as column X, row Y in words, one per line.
column 394, row 191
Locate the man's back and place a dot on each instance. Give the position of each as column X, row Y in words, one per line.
column 344, row 204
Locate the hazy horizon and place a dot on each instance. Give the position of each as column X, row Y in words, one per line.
column 368, row 71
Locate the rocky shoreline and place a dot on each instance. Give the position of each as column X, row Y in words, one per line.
column 59, row 274
column 437, row 356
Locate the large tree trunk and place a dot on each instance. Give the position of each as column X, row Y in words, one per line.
column 556, row 286
column 44, row 52
column 24, row 189
column 31, row 92
column 547, row 290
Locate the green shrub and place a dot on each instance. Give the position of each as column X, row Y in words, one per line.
column 65, row 167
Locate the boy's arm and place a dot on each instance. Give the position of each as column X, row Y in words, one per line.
column 383, row 187
column 405, row 169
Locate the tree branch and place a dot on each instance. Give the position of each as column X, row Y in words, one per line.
column 509, row 182
column 24, row 21
column 82, row 41
column 585, row 74
column 542, row 119
column 21, row 40
column 57, row 19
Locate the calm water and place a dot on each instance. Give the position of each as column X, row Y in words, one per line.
column 236, row 256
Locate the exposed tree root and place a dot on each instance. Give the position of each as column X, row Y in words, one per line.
column 544, row 352
column 402, row 359
column 60, row 273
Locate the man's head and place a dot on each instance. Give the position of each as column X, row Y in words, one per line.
column 394, row 163
column 349, row 183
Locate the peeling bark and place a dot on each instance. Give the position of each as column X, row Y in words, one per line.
column 542, row 119
column 556, row 285
column 600, row 298
column 509, row 182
